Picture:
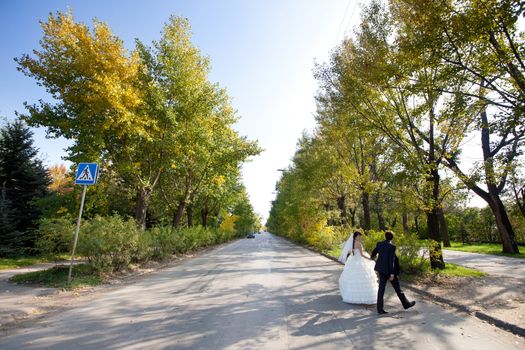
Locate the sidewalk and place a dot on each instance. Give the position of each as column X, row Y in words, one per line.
column 18, row 302
column 498, row 298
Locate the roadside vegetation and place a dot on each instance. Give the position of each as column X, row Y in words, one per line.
column 411, row 254
column 162, row 133
column 56, row 277
column 398, row 101
column 483, row 248
column 21, row 261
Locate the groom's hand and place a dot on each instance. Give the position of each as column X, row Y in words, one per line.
column 391, row 277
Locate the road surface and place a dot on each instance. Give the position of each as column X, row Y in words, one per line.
column 494, row 265
column 262, row 293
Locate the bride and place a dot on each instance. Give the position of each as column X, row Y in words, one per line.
column 358, row 282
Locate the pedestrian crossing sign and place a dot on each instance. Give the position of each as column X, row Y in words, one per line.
column 86, row 174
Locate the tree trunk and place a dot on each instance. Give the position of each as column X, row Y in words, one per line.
column 404, row 218
column 352, row 216
column 141, row 208
column 416, row 223
column 178, row 215
column 204, row 216
column 463, row 232
column 394, row 222
column 436, row 255
column 443, row 228
column 504, row 226
column 365, row 200
column 378, row 208
column 341, row 204
column 519, row 194
column 189, row 214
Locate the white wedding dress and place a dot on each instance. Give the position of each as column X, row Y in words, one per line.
column 358, row 282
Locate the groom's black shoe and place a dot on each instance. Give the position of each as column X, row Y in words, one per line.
column 409, row 305
column 382, row 312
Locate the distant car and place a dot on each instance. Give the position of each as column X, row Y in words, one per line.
column 259, row 232
column 250, row 235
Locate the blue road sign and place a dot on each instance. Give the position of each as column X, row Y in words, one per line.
column 86, row 174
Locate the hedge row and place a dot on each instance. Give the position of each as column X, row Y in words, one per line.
column 113, row 243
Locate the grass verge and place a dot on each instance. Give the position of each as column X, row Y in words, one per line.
column 485, row 248
column 56, row 277
column 13, row 263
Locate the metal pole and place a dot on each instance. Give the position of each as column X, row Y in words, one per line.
column 76, row 234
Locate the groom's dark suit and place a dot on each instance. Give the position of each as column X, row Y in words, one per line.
column 387, row 264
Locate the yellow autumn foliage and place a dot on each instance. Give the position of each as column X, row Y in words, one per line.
column 228, row 224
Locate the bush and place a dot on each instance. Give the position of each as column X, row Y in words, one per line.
column 323, row 239
column 112, row 243
column 158, row 242
column 109, row 243
column 55, row 236
column 190, row 238
column 409, row 249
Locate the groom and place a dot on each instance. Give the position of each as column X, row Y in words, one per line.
column 387, row 266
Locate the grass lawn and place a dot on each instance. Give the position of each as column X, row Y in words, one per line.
column 13, row 263
column 56, row 277
column 485, row 248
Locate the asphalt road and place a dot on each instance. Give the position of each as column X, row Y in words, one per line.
column 494, row 265
column 262, row 293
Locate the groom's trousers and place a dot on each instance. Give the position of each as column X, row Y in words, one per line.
column 383, row 279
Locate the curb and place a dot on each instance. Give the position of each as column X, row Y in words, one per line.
column 509, row 327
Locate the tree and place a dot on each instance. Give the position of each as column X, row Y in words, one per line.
column 95, row 83
column 198, row 142
column 61, row 180
column 150, row 116
column 23, row 179
column 480, row 41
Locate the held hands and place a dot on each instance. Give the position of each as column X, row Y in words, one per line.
column 391, row 277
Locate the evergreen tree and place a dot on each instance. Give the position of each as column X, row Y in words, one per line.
column 23, row 178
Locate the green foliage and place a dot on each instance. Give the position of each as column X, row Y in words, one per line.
column 56, row 277
column 55, row 236
column 109, row 243
column 409, row 249
column 247, row 219
column 395, row 103
column 23, row 179
column 471, row 225
column 150, row 117
column 113, row 243
column 483, row 248
column 158, row 243
column 449, row 270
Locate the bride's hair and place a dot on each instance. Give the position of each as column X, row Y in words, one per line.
column 356, row 234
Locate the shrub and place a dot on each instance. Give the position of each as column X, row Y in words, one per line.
column 161, row 242
column 322, row 239
column 409, row 249
column 112, row 243
column 109, row 243
column 55, row 236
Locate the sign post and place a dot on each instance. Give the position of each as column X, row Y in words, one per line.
column 86, row 175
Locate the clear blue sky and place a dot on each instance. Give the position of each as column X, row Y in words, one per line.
column 262, row 52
